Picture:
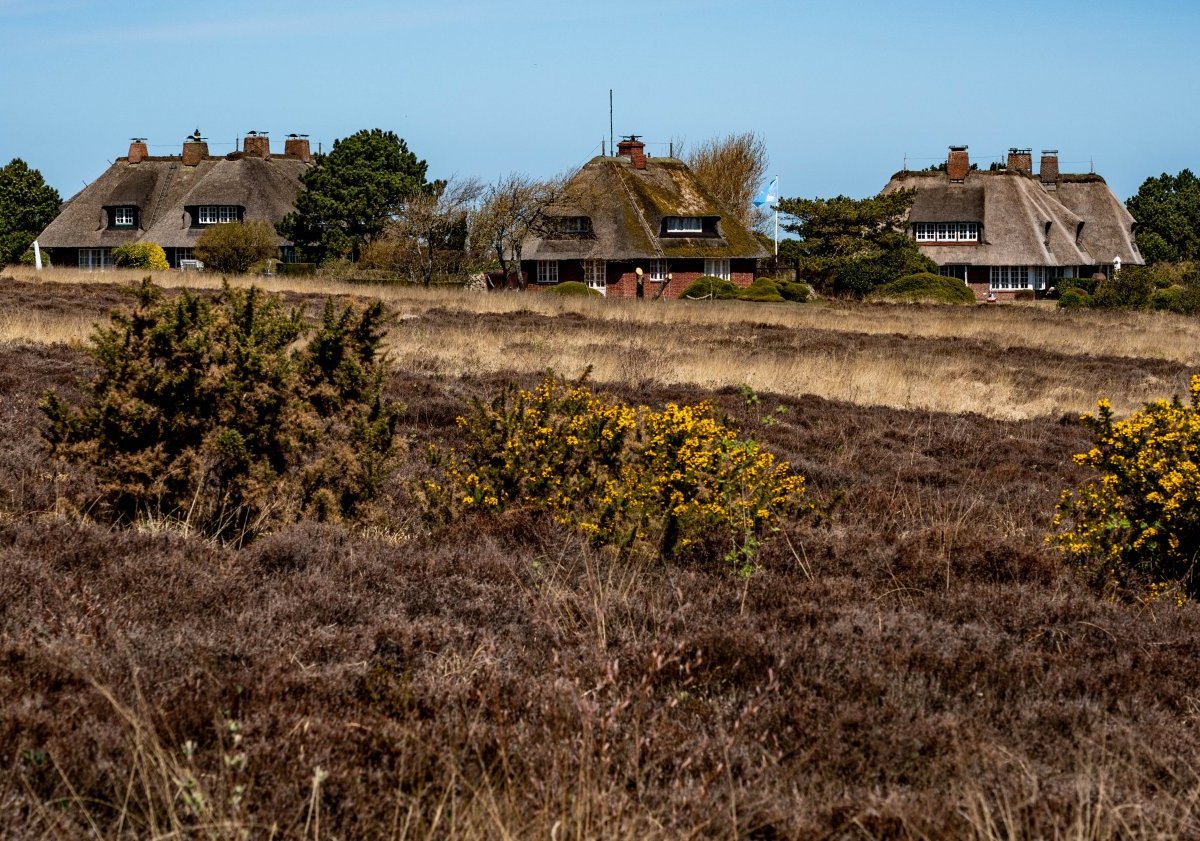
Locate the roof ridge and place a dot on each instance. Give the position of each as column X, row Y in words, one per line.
column 637, row 208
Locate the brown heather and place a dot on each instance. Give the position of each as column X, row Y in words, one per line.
column 915, row 666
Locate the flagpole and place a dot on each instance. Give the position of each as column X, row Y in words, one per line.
column 777, row 216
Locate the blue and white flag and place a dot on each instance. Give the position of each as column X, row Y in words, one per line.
column 768, row 194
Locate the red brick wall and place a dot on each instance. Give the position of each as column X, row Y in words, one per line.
column 621, row 277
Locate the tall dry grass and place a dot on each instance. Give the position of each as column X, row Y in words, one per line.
column 1011, row 362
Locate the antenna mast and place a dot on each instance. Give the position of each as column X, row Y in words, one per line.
column 611, row 147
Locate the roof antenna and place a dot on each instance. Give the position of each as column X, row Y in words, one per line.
column 1092, row 164
column 611, row 147
column 905, row 162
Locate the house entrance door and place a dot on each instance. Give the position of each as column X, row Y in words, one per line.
column 593, row 275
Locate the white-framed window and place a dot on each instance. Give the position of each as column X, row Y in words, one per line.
column 1050, row 275
column 123, row 217
column 182, row 254
column 1010, row 277
column 658, row 270
column 956, row 272
column 95, row 259
column 593, row 272
column 684, row 225
column 717, row 268
column 217, row 214
column 547, row 271
column 576, row 224
column 946, row 231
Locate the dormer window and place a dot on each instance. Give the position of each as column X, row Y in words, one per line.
column 124, row 217
column 684, row 225
column 575, row 224
column 946, row 231
column 216, row 214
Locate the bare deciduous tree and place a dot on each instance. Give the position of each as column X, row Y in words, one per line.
column 514, row 209
column 732, row 168
column 431, row 233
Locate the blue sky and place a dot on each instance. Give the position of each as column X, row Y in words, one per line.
column 840, row 91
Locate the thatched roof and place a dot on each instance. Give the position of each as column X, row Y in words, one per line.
column 627, row 206
column 162, row 187
column 1023, row 221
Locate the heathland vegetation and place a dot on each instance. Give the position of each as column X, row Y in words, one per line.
column 306, row 556
column 530, row 647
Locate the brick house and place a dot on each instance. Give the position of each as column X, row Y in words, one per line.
column 632, row 213
column 1007, row 230
column 170, row 200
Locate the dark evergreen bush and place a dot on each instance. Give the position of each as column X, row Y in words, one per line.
column 206, row 413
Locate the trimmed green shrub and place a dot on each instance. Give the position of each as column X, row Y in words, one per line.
column 573, row 288
column 1135, row 526
column 234, row 247
column 707, row 286
column 1024, row 295
column 296, row 269
column 206, row 413
column 1184, row 300
column 1087, row 285
column 762, row 290
column 925, row 287
column 141, row 255
column 1074, row 298
column 793, row 291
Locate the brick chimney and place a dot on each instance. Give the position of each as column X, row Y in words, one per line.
column 958, row 164
column 1020, row 160
column 1049, row 168
column 195, row 149
column 256, row 144
column 635, row 149
column 296, row 146
column 137, row 150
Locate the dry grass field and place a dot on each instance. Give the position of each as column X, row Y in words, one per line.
column 912, row 664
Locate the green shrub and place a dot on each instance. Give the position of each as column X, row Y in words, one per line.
column 762, row 290
column 675, row 483
column 925, row 287
column 794, row 291
column 207, row 413
column 1184, row 300
column 573, row 288
column 1135, row 526
column 141, row 255
column 1074, row 298
column 707, row 286
column 1024, row 295
column 234, row 247
column 1086, row 285
column 1131, row 289
column 28, row 258
column 296, row 269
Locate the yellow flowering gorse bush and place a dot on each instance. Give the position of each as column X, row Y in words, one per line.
column 1136, row 525
column 678, row 482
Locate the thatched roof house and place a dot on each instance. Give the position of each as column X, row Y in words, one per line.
column 170, row 200
column 629, row 213
column 1008, row 229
